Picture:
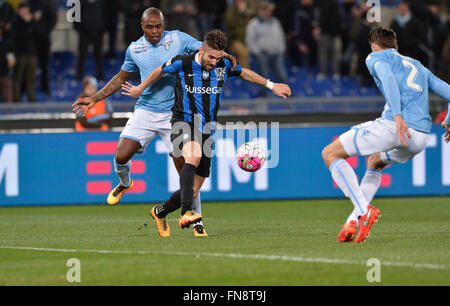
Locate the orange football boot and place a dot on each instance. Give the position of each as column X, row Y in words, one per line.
column 161, row 224
column 188, row 218
column 366, row 221
column 348, row 232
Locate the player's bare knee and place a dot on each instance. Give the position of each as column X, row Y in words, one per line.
column 121, row 159
column 327, row 154
column 374, row 162
column 192, row 160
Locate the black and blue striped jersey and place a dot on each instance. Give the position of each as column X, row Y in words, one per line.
column 198, row 92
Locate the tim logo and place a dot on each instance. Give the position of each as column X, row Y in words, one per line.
column 100, row 169
column 9, row 168
column 220, row 73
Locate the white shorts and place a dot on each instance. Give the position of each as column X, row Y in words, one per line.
column 144, row 125
column 380, row 136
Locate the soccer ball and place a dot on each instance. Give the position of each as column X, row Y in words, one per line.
column 250, row 157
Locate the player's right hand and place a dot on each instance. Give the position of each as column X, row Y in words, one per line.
column 83, row 105
column 281, row 90
column 402, row 129
column 447, row 132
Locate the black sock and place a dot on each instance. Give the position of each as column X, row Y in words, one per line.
column 172, row 204
column 187, row 177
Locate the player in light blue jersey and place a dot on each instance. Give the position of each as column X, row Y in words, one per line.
column 396, row 137
column 152, row 112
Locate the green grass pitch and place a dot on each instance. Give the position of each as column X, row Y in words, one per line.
column 250, row 243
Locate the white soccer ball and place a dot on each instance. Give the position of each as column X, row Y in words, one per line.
column 250, row 157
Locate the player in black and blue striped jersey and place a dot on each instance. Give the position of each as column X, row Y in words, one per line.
column 198, row 93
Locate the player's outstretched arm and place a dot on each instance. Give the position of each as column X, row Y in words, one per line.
column 232, row 59
column 83, row 105
column 136, row 91
column 279, row 89
column 442, row 89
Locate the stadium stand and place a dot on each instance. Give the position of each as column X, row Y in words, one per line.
column 310, row 92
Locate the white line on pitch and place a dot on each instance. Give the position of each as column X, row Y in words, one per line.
column 241, row 256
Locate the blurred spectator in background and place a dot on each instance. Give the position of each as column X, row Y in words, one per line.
column 7, row 15
column 210, row 15
column 446, row 50
column 435, row 34
column 181, row 15
column 284, row 11
column 329, row 24
column 45, row 20
column 15, row 3
column 237, row 19
column 112, row 21
column 302, row 35
column 7, row 61
column 133, row 10
column 348, row 16
column 267, row 43
column 24, row 43
column 360, row 32
column 409, row 31
column 90, row 32
column 98, row 117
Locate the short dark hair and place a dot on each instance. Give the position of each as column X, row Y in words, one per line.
column 152, row 11
column 23, row 4
column 384, row 37
column 216, row 39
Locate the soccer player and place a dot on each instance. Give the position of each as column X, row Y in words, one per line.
column 152, row 112
column 396, row 137
column 200, row 80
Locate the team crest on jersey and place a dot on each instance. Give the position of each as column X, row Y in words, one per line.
column 220, row 73
column 166, row 45
column 205, row 75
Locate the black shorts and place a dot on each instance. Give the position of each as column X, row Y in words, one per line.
column 184, row 132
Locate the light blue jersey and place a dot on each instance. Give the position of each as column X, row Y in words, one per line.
column 405, row 82
column 144, row 56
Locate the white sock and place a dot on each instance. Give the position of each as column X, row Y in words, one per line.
column 353, row 217
column 369, row 187
column 345, row 177
column 370, row 183
column 123, row 171
column 197, row 208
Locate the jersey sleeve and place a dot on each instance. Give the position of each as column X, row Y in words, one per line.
column 173, row 66
column 232, row 73
column 440, row 88
column 190, row 43
column 383, row 71
column 129, row 65
column 371, row 60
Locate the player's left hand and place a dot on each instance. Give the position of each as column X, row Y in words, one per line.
column 447, row 132
column 281, row 90
column 131, row 90
column 232, row 59
column 402, row 129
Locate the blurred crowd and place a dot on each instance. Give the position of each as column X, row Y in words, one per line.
column 326, row 37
